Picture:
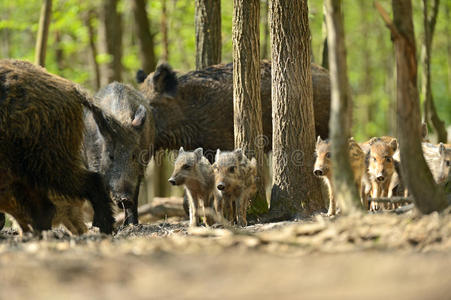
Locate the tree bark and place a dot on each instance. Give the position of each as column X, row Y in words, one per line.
column 448, row 41
column 43, row 32
column 345, row 190
column 430, row 112
column 93, row 48
column 59, row 54
column 265, row 47
column 208, row 33
column 164, row 31
column 110, row 29
column 145, row 38
column 247, row 108
column 295, row 190
column 428, row 196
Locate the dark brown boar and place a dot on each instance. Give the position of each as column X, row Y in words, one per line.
column 196, row 109
column 121, row 154
column 41, row 123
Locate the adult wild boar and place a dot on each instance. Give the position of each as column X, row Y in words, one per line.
column 196, row 109
column 121, row 155
column 41, row 124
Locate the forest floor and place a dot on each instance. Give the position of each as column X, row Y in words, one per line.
column 358, row 257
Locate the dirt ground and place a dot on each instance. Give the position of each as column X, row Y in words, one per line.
column 360, row 257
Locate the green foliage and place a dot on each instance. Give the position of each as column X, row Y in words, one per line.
column 371, row 73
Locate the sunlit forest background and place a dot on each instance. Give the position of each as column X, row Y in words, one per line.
column 370, row 51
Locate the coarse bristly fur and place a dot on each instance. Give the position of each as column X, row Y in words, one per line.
column 323, row 169
column 195, row 172
column 235, row 177
column 41, row 120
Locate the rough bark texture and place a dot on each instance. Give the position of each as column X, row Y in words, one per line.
column 247, row 108
column 345, row 192
column 430, row 112
column 428, row 197
column 208, row 33
column 93, row 48
column 110, row 33
column 164, row 31
column 265, row 47
column 448, row 42
column 295, row 190
column 145, row 38
column 43, row 32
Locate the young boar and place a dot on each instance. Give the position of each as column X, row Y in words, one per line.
column 41, row 117
column 323, row 169
column 195, row 172
column 438, row 158
column 235, row 177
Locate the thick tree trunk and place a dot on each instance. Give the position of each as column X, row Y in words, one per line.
column 43, row 32
column 247, row 108
column 430, row 112
column 145, row 38
column 265, row 47
column 93, row 48
column 164, row 31
column 428, row 196
column 295, row 190
column 207, row 22
column 110, row 33
column 345, row 190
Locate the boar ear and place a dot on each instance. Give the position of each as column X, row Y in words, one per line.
column 441, row 149
column 199, row 152
column 424, row 130
column 239, row 154
column 181, row 150
column 394, row 144
column 165, row 81
column 140, row 116
column 140, row 76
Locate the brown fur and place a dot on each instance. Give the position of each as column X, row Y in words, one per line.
column 41, row 119
column 237, row 175
column 323, row 169
column 195, row 172
column 438, row 158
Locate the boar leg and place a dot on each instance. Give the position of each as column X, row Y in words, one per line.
column 239, row 208
column 193, row 205
column 332, row 203
column 131, row 213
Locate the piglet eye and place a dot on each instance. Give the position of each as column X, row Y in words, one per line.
column 111, row 156
column 186, row 167
column 328, row 154
column 448, row 163
column 388, row 159
column 232, row 169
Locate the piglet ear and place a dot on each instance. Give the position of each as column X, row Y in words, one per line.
column 319, row 140
column 239, row 154
column 199, row 152
column 181, row 150
column 218, row 152
column 441, row 149
column 140, row 116
column 394, row 144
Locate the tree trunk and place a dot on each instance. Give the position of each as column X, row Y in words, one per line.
column 430, row 112
column 145, row 38
column 265, row 45
column 43, row 32
column 164, row 31
column 345, row 190
column 110, row 41
column 428, row 196
column 247, row 108
column 448, row 41
column 295, row 190
column 208, row 33
column 93, row 48
column 59, row 54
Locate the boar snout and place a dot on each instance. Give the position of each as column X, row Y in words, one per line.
column 318, row 172
column 380, row 178
column 221, row 186
column 172, row 181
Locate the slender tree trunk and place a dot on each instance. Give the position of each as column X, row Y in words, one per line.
column 208, row 33
column 110, row 33
column 164, row 31
column 428, row 196
column 448, row 41
column 344, row 184
column 59, row 54
column 295, row 190
column 91, row 14
column 145, row 38
column 325, row 47
column 265, row 45
column 247, row 108
column 43, row 32
column 430, row 112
